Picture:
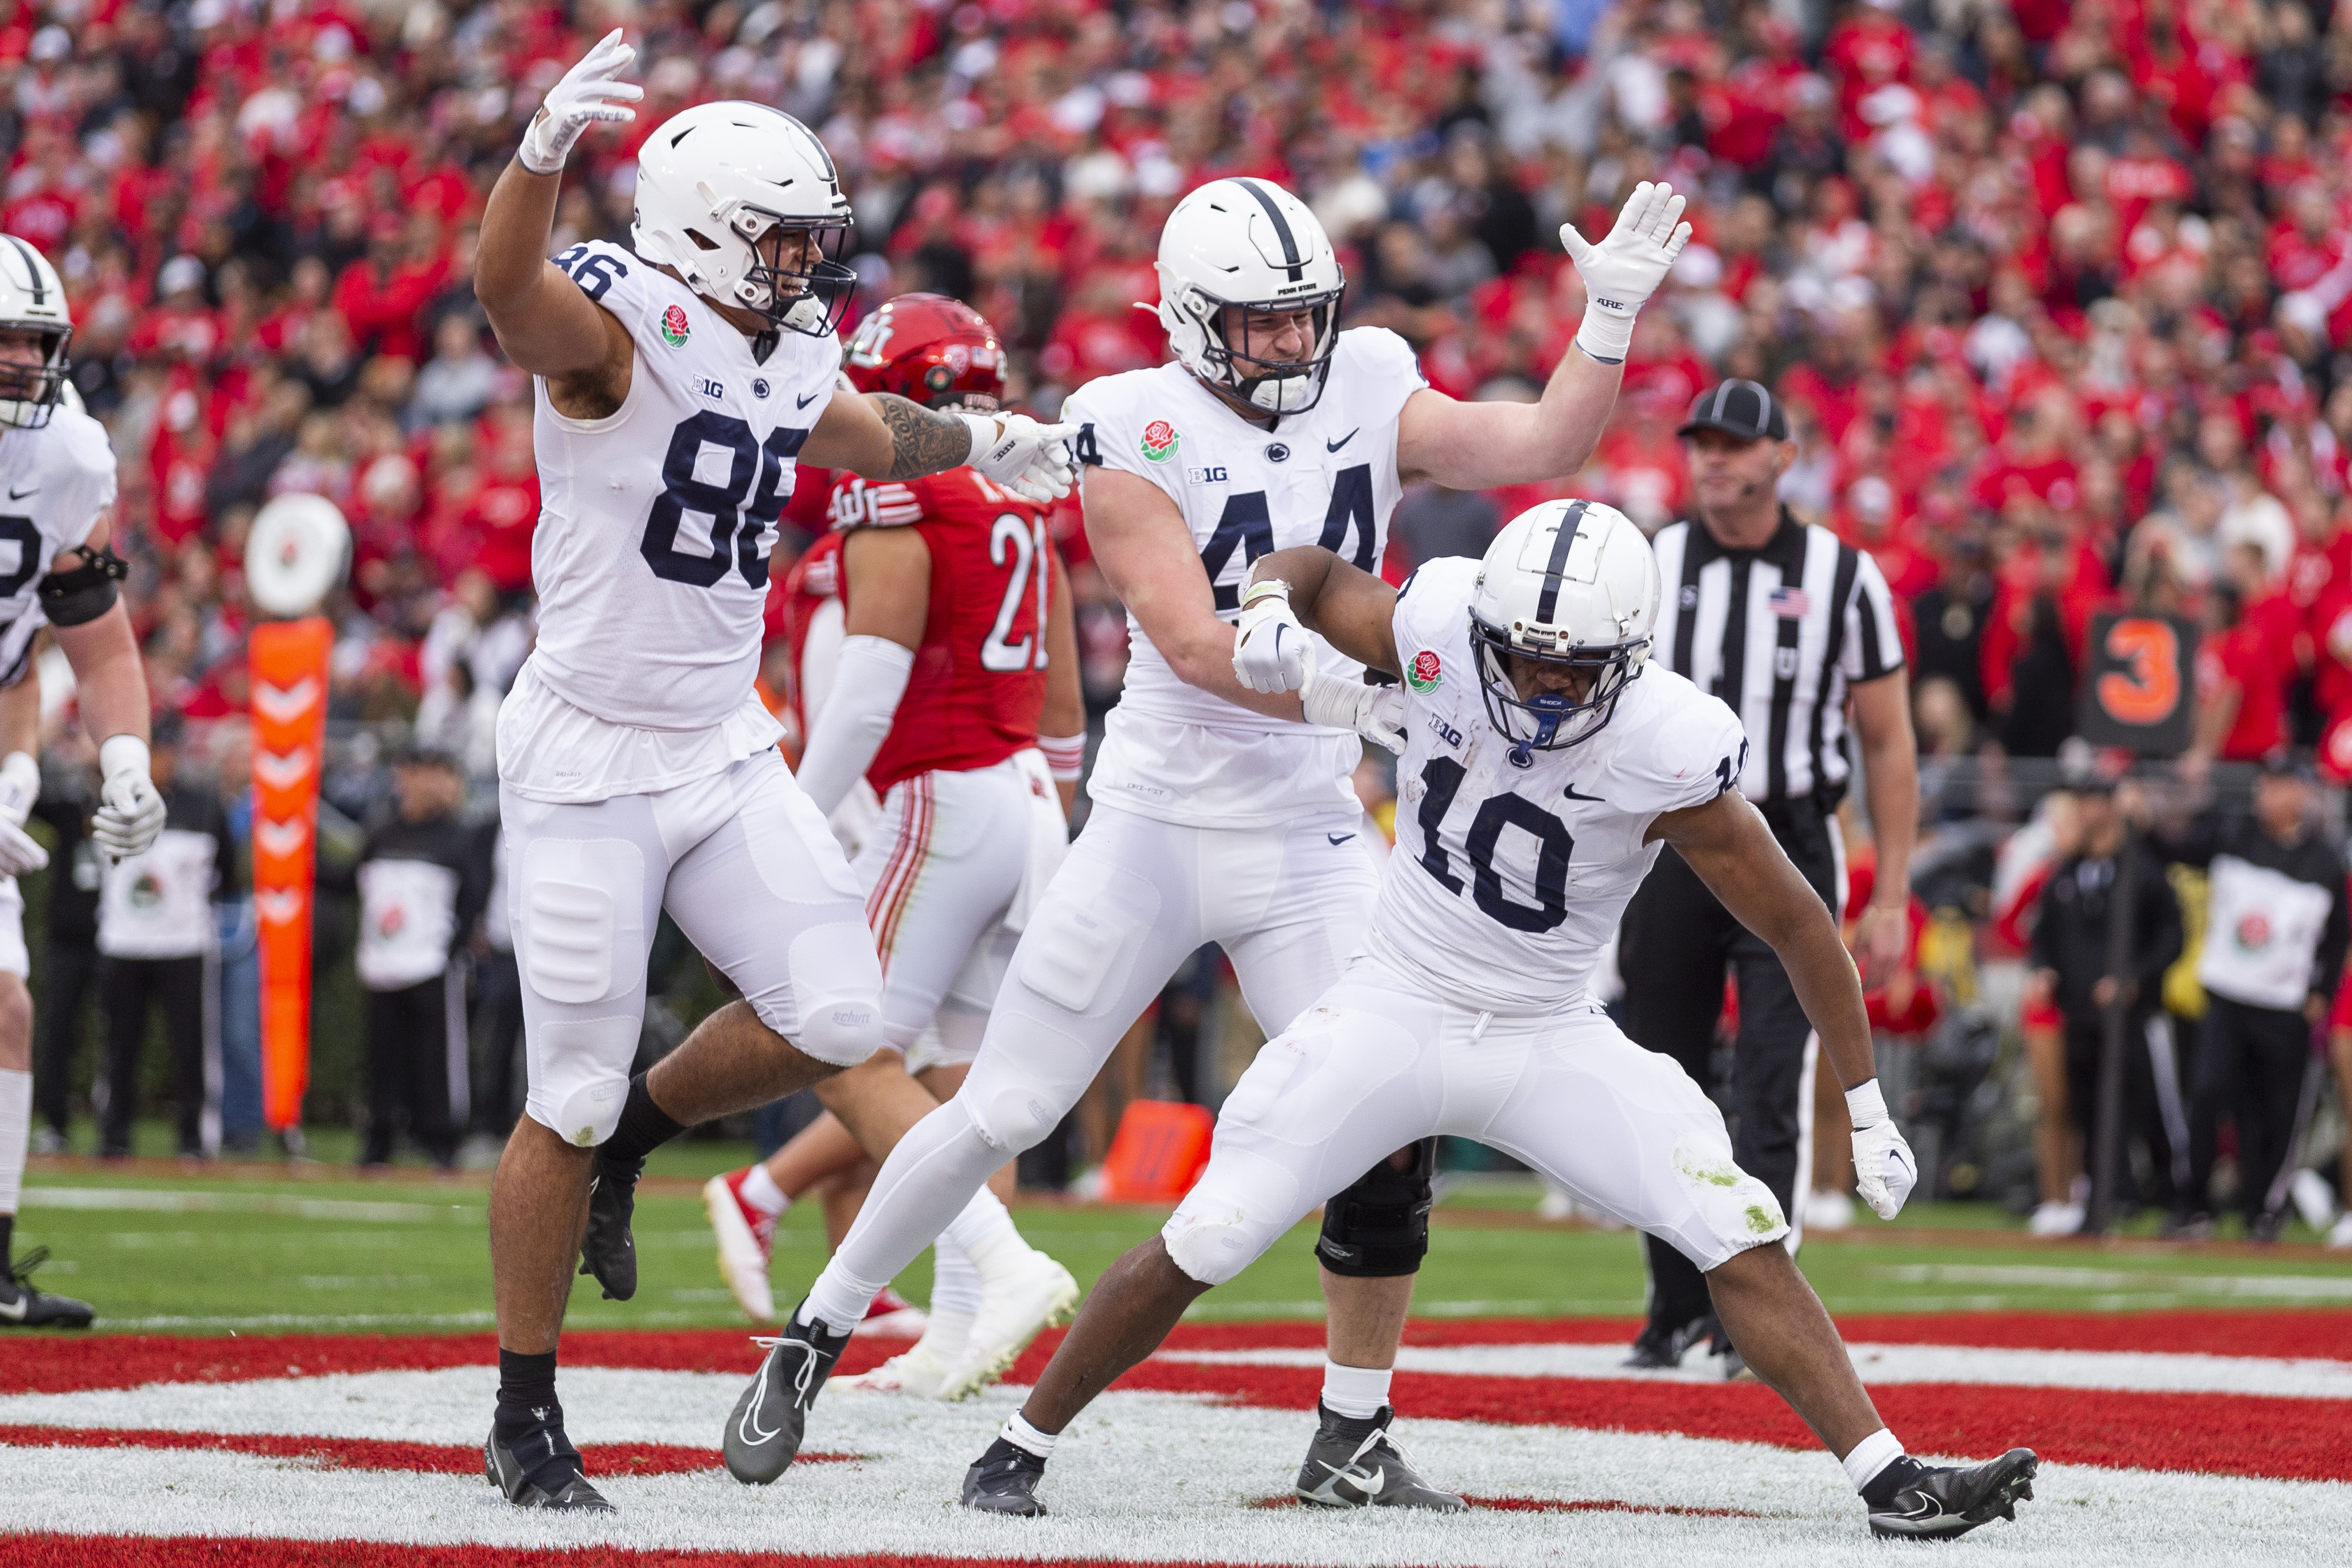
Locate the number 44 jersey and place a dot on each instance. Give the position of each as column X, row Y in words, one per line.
column 1507, row 880
column 651, row 557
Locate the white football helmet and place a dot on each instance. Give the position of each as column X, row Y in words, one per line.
column 716, row 181
column 32, row 300
column 1251, row 244
column 1571, row 584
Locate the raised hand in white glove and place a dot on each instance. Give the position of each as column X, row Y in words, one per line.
column 1624, row 269
column 130, row 811
column 1030, row 459
column 586, row 94
column 1271, row 653
column 1885, row 1169
column 1376, row 713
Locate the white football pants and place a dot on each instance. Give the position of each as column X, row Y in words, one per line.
column 1136, row 896
column 1381, row 1060
column 747, row 868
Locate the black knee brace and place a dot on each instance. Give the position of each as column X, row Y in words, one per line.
column 1378, row 1228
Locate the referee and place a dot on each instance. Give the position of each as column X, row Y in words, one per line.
column 1787, row 624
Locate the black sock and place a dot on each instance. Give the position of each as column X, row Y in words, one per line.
column 1900, row 1472
column 7, row 1232
column 1005, row 1449
column 1355, row 1428
column 644, row 1128
column 530, row 1420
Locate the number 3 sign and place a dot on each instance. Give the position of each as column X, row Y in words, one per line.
column 2139, row 688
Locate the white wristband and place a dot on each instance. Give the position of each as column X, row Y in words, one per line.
column 20, row 772
column 1864, row 1104
column 1605, row 335
column 1065, row 755
column 120, row 754
column 1271, row 588
column 984, row 428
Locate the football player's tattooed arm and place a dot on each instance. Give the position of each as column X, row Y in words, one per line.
column 1064, row 713
column 1147, row 553
column 884, row 436
column 544, row 322
column 889, row 594
column 1351, row 610
column 1478, row 445
column 1727, row 845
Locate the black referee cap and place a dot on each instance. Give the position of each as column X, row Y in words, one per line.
column 1743, row 409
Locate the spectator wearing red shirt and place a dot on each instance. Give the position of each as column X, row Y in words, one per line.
column 2243, row 666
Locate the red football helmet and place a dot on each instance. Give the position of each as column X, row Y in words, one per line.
column 928, row 349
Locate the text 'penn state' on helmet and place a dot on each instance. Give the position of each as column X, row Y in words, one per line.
column 1242, row 247
column 32, row 299
column 719, row 186
column 1568, row 586
column 930, row 350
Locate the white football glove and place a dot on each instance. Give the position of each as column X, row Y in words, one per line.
column 130, row 812
column 1030, row 459
column 1376, row 713
column 20, row 786
column 586, row 96
column 1623, row 270
column 1885, row 1169
column 1271, row 653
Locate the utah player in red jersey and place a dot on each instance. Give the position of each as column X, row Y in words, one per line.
column 955, row 694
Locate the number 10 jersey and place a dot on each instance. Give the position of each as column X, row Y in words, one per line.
column 651, row 558
column 1507, row 880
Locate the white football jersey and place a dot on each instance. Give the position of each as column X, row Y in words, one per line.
column 1326, row 477
column 651, row 558
column 1507, row 880
column 57, row 482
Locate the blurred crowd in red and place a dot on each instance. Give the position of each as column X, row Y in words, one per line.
column 2054, row 288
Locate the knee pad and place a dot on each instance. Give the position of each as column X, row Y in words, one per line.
column 577, row 898
column 1241, row 1205
column 580, row 1075
column 834, row 1011
column 1019, row 1090
column 1378, row 1228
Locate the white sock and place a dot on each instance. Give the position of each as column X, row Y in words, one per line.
column 1027, row 1438
column 1870, row 1456
column 955, row 1283
column 15, row 1132
column 760, row 1191
column 837, row 1301
column 1355, row 1392
column 985, row 1232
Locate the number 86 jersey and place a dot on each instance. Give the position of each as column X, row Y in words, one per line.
column 1507, row 880
column 651, row 557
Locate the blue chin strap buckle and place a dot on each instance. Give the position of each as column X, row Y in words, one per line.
column 1549, row 708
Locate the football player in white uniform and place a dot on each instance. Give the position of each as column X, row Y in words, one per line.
column 1545, row 763
column 59, row 473
column 1219, row 817
column 678, row 385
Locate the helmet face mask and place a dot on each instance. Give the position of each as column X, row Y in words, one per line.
column 1276, row 384
column 1550, row 720
column 1234, row 253
column 29, row 393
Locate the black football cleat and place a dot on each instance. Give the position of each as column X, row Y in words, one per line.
column 23, row 1307
column 607, row 1250
column 572, row 1492
column 1004, row 1480
column 1355, row 1463
column 1954, row 1500
column 763, row 1434
column 1659, row 1348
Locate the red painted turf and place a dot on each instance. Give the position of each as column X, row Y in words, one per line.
column 48, row 1551
column 371, row 1454
column 63, row 1363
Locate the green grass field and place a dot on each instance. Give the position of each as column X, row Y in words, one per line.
column 317, row 1251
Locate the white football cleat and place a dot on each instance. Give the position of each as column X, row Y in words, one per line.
column 2342, row 1235
column 922, row 1370
column 1039, row 1295
column 2055, row 1220
column 892, row 1316
column 746, row 1238
column 1827, row 1208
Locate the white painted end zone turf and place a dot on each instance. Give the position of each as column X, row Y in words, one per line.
column 1140, row 1476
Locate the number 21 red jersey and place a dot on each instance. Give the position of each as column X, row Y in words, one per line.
column 979, row 680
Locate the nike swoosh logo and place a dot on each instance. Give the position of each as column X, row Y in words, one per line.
column 805, row 402
column 1339, row 838
column 1571, row 794
column 1335, row 445
column 750, row 1426
column 16, row 494
column 15, row 1311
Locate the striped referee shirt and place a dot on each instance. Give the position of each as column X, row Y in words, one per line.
column 1780, row 634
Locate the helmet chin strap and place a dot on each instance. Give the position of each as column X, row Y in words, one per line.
column 1551, row 708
